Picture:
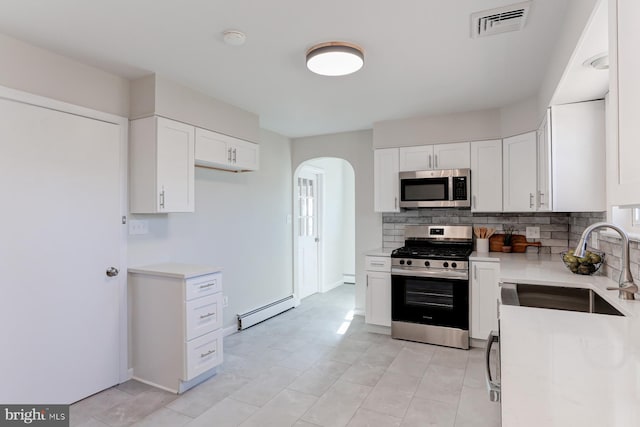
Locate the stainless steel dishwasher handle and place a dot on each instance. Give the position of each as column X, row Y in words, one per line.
column 492, row 386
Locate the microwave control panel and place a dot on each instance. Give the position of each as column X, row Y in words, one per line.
column 460, row 188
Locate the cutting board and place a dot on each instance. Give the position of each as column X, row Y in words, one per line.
column 518, row 242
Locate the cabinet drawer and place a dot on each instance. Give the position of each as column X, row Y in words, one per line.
column 202, row 354
column 202, row 286
column 377, row 263
column 203, row 315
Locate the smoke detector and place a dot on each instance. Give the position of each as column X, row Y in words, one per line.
column 499, row 20
column 234, row 37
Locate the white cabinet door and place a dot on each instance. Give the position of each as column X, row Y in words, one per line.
column 385, row 180
column 418, row 158
column 161, row 166
column 519, row 173
column 624, row 103
column 175, row 166
column 378, row 310
column 486, row 176
column 485, row 279
column 544, row 196
column 211, row 148
column 578, row 144
column 245, row 155
column 451, row 156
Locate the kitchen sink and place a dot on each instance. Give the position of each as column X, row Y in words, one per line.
column 556, row 298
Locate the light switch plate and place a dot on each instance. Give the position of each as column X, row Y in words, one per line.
column 138, row 226
column 533, row 232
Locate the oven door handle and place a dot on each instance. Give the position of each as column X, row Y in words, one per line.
column 492, row 386
column 462, row 275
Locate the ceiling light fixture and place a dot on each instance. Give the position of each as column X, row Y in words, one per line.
column 335, row 58
column 599, row 61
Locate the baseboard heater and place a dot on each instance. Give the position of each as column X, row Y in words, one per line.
column 265, row 312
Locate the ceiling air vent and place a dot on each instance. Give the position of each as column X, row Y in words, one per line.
column 499, row 20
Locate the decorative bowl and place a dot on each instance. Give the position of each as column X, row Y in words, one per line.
column 586, row 265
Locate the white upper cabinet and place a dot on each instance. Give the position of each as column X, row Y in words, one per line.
column 519, row 173
column 486, row 176
column 452, row 156
column 225, row 152
column 161, row 166
column 386, row 182
column 578, row 152
column 623, row 147
column 438, row 156
column 419, row 158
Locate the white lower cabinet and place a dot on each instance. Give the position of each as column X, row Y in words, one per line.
column 176, row 324
column 485, row 285
column 378, row 305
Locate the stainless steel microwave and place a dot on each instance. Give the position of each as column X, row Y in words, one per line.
column 447, row 188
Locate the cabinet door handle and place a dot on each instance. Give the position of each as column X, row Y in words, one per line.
column 162, row 199
column 493, row 386
column 229, row 155
column 531, row 200
column 234, row 155
column 207, row 353
column 429, row 161
column 540, row 202
column 436, row 162
column 204, row 316
column 475, row 272
column 395, row 203
column 473, row 201
column 208, row 285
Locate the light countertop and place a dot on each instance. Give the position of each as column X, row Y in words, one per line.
column 175, row 270
column 379, row 252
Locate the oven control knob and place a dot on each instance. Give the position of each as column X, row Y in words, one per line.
column 426, row 263
column 445, row 264
column 454, row 265
column 401, row 262
column 409, row 262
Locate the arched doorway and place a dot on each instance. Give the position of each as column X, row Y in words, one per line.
column 324, row 225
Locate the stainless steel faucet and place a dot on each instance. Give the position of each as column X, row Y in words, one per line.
column 627, row 289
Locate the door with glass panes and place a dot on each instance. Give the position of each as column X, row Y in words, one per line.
column 307, row 233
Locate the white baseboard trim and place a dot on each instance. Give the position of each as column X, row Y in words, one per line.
column 349, row 278
column 328, row 287
column 358, row 312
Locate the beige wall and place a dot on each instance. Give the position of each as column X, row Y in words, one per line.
column 31, row 69
column 356, row 148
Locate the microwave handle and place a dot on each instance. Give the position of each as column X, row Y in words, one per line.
column 450, row 188
column 492, row 386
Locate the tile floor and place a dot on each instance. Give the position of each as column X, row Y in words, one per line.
column 315, row 365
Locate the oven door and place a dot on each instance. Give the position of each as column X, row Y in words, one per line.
column 430, row 300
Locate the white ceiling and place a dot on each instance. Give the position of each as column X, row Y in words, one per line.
column 420, row 59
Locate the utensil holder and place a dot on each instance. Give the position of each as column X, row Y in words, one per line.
column 482, row 245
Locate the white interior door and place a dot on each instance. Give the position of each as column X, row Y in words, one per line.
column 307, row 233
column 61, row 230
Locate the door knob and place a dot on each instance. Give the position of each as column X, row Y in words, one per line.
column 112, row 272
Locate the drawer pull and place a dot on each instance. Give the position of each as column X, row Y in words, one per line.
column 208, row 285
column 204, row 316
column 207, row 353
column 381, row 264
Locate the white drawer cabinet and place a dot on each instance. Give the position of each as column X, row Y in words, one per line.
column 176, row 324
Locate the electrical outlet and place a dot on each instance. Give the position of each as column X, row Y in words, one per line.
column 533, row 232
column 138, row 226
column 225, row 301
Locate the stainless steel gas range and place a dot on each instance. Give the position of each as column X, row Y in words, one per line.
column 430, row 285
